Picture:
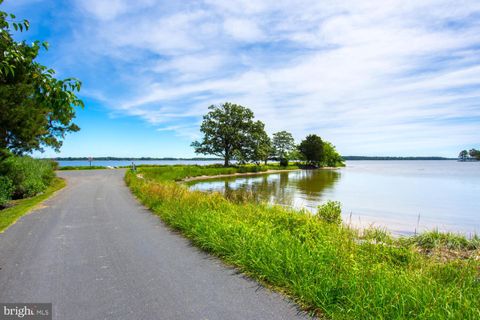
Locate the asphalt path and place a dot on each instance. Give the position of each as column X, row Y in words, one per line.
column 95, row 253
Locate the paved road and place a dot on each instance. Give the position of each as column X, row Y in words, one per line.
column 95, row 253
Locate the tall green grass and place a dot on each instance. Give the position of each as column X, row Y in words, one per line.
column 180, row 172
column 325, row 267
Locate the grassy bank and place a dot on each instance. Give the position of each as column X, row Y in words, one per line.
column 181, row 172
column 18, row 208
column 332, row 270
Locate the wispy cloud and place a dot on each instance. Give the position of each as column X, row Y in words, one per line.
column 375, row 77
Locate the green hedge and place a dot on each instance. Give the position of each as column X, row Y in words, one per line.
column 23, row 177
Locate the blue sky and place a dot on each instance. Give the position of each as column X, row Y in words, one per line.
column 394, row 77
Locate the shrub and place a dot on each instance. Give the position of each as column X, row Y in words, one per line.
column 330, row 212
column 29, row 176
column 6, row 189
column 436, row 239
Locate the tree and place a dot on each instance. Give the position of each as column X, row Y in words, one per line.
column 36, row 108
column 283, row 144
column 474, row 153
column 463, row 155
column 227, row 130
column 312, row 149
column 331, row 158
column 259, row 146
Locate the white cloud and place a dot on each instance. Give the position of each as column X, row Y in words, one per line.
column 243, row 30
column 381, row 75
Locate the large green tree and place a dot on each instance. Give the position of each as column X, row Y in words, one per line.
column 312, row 149
column 259, row 146
column 283, row 144
column 227, row 132
column 36, row 109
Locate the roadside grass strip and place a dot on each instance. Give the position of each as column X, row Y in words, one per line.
column 332, row 270
column 19, row 208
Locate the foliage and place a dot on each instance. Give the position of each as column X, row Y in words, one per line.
column 259, row 146
column 284, row 162
column 227, row 132
column 331, row 158
column 6, row 190
column 436, row 239
column 29, row 176
column 37, row 109
column 474, row 153
column 21, row 207
column 312, row 149
column 323, row 266
column 283, row 144
column 330, row 212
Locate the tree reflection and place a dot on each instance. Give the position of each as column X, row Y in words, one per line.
column 281, row 188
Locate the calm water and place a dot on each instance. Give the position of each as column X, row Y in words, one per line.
column 113, row 163
column 392, row 194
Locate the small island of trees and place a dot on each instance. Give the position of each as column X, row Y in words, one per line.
column 471, row 155
column 231, row 132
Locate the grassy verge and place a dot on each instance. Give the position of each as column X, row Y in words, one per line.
column 330, row 269
column 21, row 207
column 180, row 172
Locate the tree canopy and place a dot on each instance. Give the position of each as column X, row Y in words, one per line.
column 283, row 144
column 331, row 157
column 36, row 108
column 229, row 131
column 259, row 146
column 472, row 154
column 312, row 149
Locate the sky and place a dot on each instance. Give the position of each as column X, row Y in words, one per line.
column 386, row 77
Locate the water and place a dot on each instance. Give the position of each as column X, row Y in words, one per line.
column 119, row 163
column 391, row 194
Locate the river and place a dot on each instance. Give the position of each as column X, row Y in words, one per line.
column 402, row 196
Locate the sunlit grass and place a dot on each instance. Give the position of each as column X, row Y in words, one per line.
column 331, row 269
column 180, row 172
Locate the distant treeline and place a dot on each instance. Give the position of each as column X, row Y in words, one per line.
column 395, row 158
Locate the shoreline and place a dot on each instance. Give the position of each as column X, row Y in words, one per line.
column 228, row 175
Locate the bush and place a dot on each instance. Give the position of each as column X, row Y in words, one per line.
column 283, row 162
column 29, row 176
column 330, row 212
column 6, row 190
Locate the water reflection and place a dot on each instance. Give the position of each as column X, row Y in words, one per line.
column 286, row 188
column 444, row 194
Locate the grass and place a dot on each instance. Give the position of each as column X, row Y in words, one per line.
column 332, row 270
column 21, row 207
column 180, row 172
